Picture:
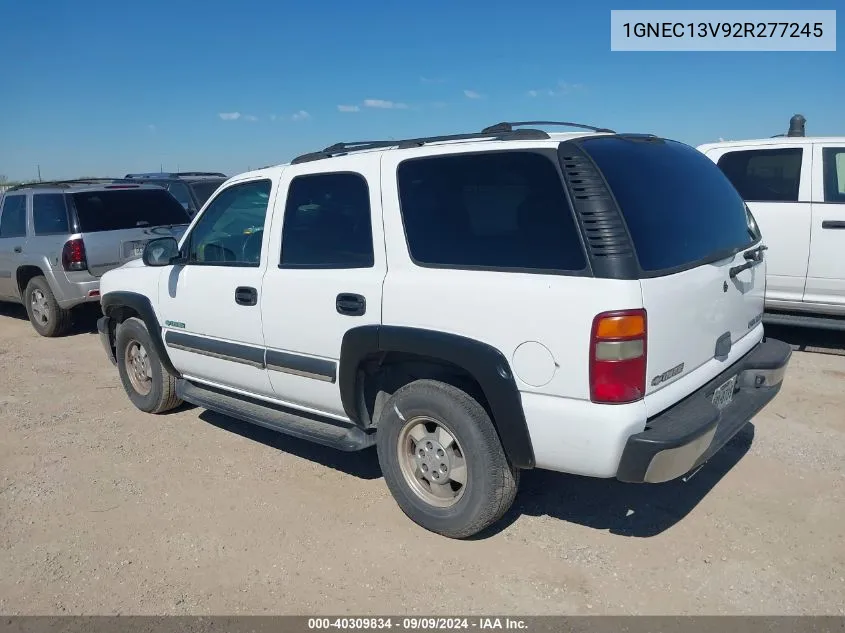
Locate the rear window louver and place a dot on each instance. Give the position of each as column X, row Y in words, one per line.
column 606, row 237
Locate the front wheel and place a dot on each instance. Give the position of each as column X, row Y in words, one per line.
column 148, row 385
column 442, row 459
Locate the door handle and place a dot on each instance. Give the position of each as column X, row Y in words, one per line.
column 246, row 296
column 833, row 224
column 350, row 304
column 19, row 249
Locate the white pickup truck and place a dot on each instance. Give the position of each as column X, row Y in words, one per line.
column 795, row 188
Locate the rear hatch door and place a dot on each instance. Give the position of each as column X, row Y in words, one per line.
column 118, row 220
column 702, row 271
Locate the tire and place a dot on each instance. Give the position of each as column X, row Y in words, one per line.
column 156, row 392
column 490, row 481
column 48, row 318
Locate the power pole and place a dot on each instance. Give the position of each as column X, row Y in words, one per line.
column 39, row 173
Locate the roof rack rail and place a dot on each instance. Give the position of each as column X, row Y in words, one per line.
column 508, row 126
column 62, row 183
column 175, row 174
column 357, row 146
column 152, row 174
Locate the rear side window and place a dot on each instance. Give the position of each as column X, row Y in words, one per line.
column 49, row 214
column 834, row 174
column 492, row 210
column 117, row 209
column 327, row 223
column 764, row 175
column 13, row 217
column 679, row 207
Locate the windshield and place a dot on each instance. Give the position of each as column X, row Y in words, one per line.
column 117, row 209
column 679, row 207
column 204, row 188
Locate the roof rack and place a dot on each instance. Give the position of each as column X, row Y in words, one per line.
column 215, row 174
column 160, row 175
column 507, row 126
column 357, row 146
column 62, row 183
column 152, row 174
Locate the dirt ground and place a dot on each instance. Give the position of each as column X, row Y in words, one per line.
column 106, row 510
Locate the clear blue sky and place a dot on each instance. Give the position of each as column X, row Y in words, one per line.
column 96, row 87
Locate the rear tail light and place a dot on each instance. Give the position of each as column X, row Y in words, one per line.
column 618, row 357
column 73, row 255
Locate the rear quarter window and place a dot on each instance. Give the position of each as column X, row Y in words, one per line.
column 489, row 211
column 49, row 214
column 680, row 209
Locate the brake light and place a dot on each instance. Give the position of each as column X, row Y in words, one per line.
column 73, row 255
column 618, row 357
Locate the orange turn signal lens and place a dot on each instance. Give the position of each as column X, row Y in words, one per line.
column 621, row 326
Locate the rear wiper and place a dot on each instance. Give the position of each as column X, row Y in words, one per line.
column 756, row 254
column 753, row 257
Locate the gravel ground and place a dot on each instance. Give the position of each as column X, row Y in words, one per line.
column 106, row 510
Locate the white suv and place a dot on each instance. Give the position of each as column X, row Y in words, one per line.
column 472, row 304
column 795, row 187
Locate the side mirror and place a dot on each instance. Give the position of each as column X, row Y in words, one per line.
column 161, row 252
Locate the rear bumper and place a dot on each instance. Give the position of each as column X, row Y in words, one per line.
column 74, row 293
column 104, row 329
column 686, row 435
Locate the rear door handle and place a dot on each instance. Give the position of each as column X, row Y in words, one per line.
column 19, row 249
column 350, row 304
column 246, row 296
column 833, row 224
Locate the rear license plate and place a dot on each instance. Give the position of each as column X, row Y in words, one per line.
column 133, row 249
column 724, row 393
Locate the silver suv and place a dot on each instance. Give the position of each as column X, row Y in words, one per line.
column 58, row 238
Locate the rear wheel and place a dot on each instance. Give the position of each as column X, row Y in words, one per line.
column 442, row 459
column 146, row 382
column 46, row 315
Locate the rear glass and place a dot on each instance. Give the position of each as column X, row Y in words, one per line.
column 679, row 207
column 117, row 209
column 203, row 190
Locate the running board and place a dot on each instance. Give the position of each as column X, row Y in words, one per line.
column 801, row 320
column 300, row 424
